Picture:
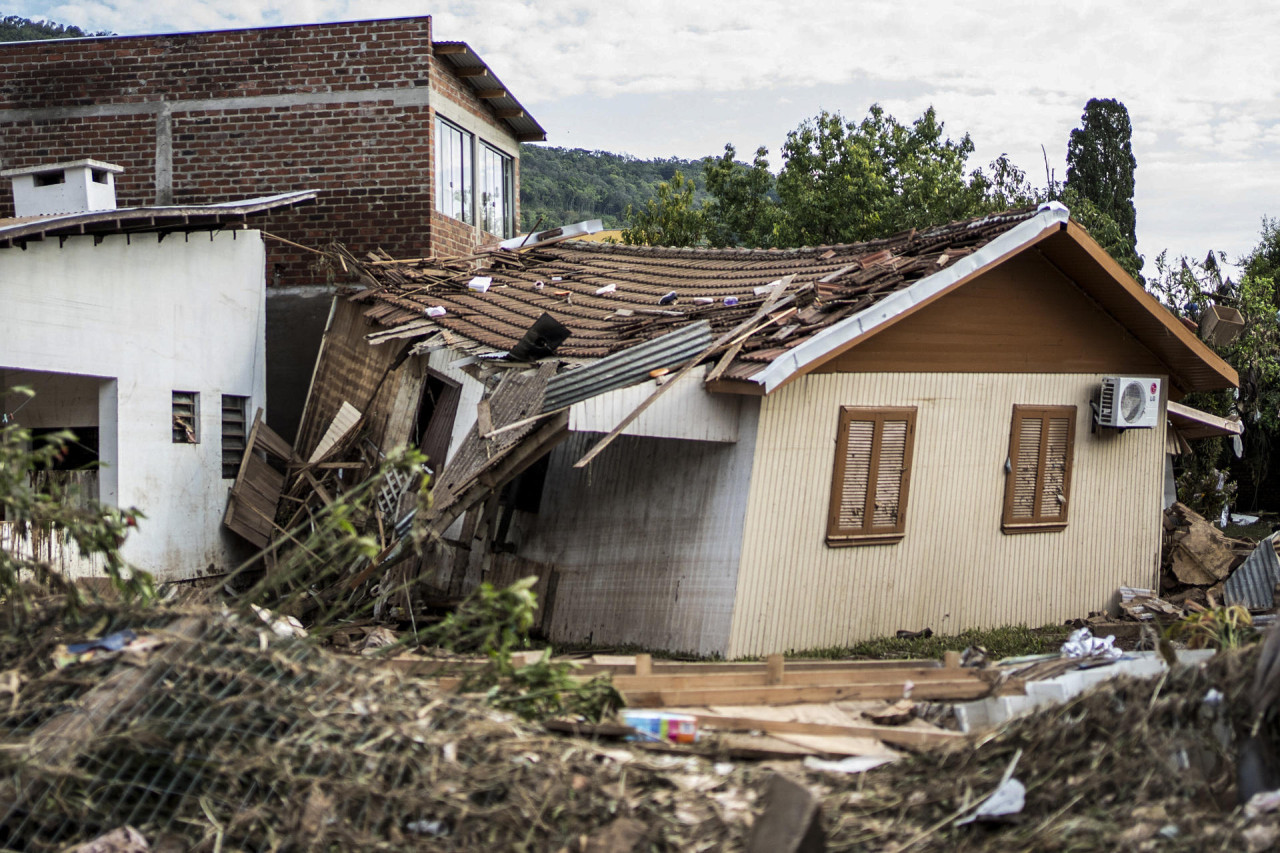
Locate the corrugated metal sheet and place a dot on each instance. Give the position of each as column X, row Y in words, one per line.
column 685, row 411
column 954, row 569
column 627, row 367
column 646, row 541
column 1254, row 581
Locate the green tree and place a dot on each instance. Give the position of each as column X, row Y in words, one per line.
column 1100, row 164
column 845, row 182
column 669, row 219
column 15, row 28
column 742, row 209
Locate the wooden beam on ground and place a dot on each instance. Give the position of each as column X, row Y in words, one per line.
column 889, row 734
column 788, row 694
column 793, row 678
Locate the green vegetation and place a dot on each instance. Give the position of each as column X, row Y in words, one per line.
column 1100, row 167
column 50, row 507
column 16, row 28
column 565, row 185
column 1009, row 641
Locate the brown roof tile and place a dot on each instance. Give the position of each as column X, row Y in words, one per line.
column 831, row 282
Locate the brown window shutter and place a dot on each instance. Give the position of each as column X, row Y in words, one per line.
column 1040, row 451
column 872, row 470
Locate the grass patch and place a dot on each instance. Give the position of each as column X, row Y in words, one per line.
column 1009, row 641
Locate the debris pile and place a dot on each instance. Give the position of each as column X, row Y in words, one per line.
column 1197, row 556
column 1137, row 762
column 223, row 735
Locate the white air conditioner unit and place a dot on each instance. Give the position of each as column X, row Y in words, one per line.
column 1128, row 402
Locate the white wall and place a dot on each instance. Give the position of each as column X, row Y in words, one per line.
column 155, row 316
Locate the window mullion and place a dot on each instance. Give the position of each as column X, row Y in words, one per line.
column 873, row 475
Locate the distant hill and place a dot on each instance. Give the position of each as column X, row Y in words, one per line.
column 15, row 28
column 565, row 185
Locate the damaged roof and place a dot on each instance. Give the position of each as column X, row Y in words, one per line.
column 612, row 297
column 125, row 220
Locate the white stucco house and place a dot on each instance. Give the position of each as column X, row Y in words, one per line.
column 142, row 331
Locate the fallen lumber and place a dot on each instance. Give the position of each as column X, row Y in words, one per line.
column 889, row 734
column 787, row 694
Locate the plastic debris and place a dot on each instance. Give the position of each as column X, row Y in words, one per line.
column 1082, row 644
column 434, row 828
column 849, row 765
column 480, row 284
column 1008, row 799
column 731, row 301
column 435, row 311
column 110, row 643
column 668, row 299
column 281, row 626
column 703, row 300
column 611, row 287
column 661, row 726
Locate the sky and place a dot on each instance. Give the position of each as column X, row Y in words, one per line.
column 667, row 78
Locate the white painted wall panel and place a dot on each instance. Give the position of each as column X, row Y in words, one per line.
column 684, row 410
column 155, row 316
column 954, row 569
column 646, row 539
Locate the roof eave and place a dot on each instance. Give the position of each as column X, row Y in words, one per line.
column 487, row 86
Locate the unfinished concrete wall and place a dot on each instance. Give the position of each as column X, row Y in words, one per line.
column 645, row 541
column 954, row 568
column 145, row 318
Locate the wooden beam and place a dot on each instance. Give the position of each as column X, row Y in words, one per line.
column 820, row 678
column 786, row 694
column 509, row 113
column 531, row 137
column 490, row 94
column 440, row 49
column 888, row 734
column 471, row 72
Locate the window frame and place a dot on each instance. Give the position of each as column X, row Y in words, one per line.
column 233, row 455
column 1038, row 522
column 185, row 405
column 464, row 165
column 869, row 534
column 502, row 187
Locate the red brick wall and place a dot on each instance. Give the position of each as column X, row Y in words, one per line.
column 371, row 159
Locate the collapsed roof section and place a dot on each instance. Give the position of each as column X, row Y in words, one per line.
column 611, row 298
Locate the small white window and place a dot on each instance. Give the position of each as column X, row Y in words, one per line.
column 186, row 417
column 497, row 191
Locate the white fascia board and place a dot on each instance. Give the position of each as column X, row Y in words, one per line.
column 1050, row 216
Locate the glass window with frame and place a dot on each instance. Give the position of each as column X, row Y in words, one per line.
column 497, row 188
column 453, row 171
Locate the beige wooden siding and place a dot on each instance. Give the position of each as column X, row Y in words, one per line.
column 954, row 569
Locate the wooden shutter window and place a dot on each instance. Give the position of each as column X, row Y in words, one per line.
column 872, row 468
column 235, row 428
column 1038, row 483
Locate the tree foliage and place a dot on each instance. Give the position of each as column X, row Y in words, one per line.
column 565, row 185
column 742, row 209
column 1100, row 163
column 16, row 28
column 668, row 219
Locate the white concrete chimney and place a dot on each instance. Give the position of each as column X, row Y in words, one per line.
column 76, row 187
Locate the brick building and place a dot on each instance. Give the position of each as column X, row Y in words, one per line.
column 412, row 143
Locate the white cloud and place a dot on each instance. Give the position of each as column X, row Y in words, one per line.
column 1201, row 82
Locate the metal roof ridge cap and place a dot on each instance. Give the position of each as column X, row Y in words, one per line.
column 1049, row 216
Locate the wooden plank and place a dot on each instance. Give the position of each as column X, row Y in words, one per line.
column 788, row 694
column 625, row 664
column 685, row 681
column 889, row 734
column 644, row 665
column 774, row 668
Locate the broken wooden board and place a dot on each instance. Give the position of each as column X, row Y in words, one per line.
column 255, row 494
column 896, row 735
column 343, row 422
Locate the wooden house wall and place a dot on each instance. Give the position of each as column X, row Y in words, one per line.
column 645, row 540
column 954, row 569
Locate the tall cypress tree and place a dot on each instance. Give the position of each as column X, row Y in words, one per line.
column 1100, row 163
